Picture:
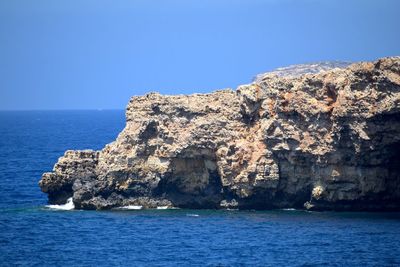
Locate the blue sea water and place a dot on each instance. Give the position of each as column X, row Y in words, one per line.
column 33, row 235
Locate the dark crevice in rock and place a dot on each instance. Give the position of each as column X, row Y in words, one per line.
column 250, row 118
column 393, row 165
column 150, row 131
column 188, row 114
column 193, row 182
column 61, row 196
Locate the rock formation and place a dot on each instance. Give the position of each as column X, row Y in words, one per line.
column 300, row 69
column 319, row 141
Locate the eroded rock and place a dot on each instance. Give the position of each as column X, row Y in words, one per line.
column 328, row 140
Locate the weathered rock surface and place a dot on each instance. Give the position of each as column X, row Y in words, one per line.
column 321, row 141
column 301, row 69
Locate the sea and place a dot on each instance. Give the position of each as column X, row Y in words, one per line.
column 35, row 234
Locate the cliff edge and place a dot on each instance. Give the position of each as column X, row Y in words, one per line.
column 319, row 141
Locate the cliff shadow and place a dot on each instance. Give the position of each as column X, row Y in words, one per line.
column 193, row 180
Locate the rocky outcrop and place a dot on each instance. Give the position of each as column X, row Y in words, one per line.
column 325, row 141
column 301, row 69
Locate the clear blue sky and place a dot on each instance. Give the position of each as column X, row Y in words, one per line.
column 94, row 54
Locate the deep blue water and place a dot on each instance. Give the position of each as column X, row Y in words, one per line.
column 33, row 235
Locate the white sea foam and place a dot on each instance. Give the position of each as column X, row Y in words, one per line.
column 163, row 207
column 192, row 215
column 67, row 206
column 131, row 207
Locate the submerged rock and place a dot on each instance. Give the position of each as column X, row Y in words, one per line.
column 319, row 141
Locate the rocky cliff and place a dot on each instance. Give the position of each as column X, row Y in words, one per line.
column 319, row 141
column 300, row 69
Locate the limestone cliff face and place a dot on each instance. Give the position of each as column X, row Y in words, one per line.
column 321, row 141
column 301, row 69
